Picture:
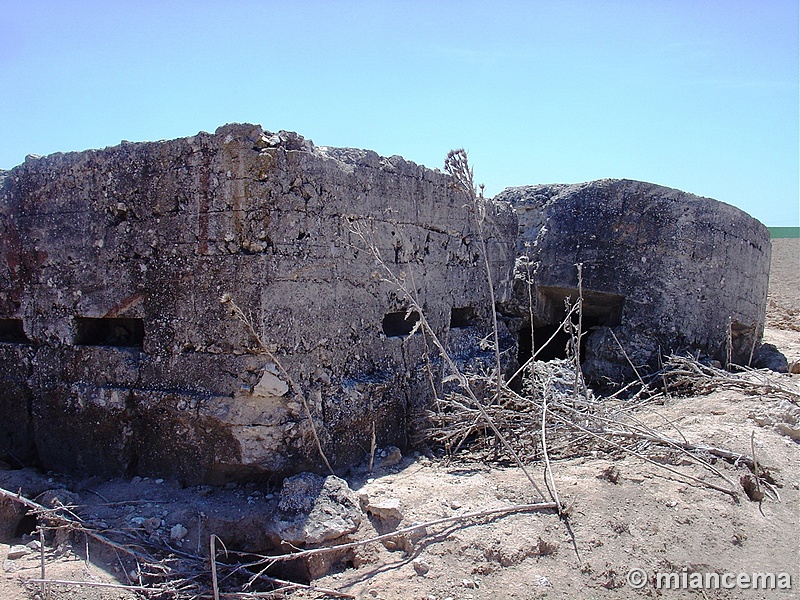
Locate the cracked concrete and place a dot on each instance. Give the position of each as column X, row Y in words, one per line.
column 117, row 357
column 112, row 264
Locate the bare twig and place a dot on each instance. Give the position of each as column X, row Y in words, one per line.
column 628, row 358
column 116, row 586
column 756, row 328
column 755, row 461
column 550, row 480
column 729, row 345
column 289, row 585
column 213, row 555
column 41, row 558
column 505, row 510
column 689, row 450
column 576, row 341
column 372, row 448
column 20, row 499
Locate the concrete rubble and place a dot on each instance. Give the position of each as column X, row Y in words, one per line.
column 314, row 509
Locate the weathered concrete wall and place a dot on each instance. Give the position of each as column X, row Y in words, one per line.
column 665, row 270
column 117, row 356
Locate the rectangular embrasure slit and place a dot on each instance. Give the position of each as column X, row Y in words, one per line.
column 395, row 324
column 123, row 333
column 461, row 318
column 12, row 331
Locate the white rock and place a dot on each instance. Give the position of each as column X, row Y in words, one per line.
column 385, row 509
column 178, row 532
column 270, row 386
column 15, row 552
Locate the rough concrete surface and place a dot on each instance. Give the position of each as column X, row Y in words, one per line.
column 119, row 357
column 664, row 270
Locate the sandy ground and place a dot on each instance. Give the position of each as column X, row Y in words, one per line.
column 625, row 513
column 783, row 299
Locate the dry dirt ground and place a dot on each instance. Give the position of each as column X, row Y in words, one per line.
column 624, row 513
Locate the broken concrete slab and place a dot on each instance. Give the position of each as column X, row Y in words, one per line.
column 314, row 509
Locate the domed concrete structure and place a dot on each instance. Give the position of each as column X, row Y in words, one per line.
column 662, row 270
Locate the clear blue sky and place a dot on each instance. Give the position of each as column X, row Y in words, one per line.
column 697, row 95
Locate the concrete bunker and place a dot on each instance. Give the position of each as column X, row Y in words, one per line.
column 117, row 357
column 663, row 271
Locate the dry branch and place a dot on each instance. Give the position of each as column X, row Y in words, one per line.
column 490, row 512
column 116, row 586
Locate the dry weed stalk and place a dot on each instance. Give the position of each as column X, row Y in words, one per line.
column 455, row 374
column 298, row 392
column 457, row 166
column 577, row 335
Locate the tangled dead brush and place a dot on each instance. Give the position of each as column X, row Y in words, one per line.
column 554, row 414
column 456, row 424
column 687, row 375
column 548, row 417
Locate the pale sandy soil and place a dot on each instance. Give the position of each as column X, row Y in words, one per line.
column 783, row 299
column 648, row 519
